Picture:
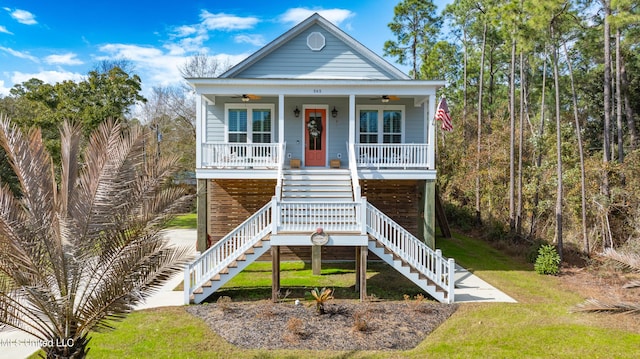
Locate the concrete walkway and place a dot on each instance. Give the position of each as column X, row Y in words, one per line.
column 469, row 289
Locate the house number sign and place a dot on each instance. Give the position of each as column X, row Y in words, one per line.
column 319, row 238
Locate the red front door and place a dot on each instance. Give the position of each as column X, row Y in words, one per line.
column 315, row 124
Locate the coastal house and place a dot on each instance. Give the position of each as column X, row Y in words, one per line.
column 315, row 147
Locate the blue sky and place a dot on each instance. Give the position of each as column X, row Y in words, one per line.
column 63, row 40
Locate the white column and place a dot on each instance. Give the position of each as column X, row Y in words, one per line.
column 280, row 118
column 352, row 119
column 200, row 123
column 430, row 112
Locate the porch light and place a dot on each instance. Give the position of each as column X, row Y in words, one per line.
column 296, row 112
column 334, row 112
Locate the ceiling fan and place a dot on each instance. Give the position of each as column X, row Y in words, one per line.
column 247, row 97
column 387, row 98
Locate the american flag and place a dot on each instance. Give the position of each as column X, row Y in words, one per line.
column 442, row 114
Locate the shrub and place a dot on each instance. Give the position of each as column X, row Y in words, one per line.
column 548, row 261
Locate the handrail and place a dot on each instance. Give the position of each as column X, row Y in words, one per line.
column 281, row 151
column 411, row 250
column 227, row 250
column 353, row 168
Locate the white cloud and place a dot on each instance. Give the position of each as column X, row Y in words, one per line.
column 4, row 30
column 296, row 15
column 23, row 16
column 19, row 54
column 257, row 40
column 4, row 91
column 50, row 77
column 64, row 59
column 226, row 22
column 157, row 67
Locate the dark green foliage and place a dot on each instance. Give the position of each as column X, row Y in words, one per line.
column 548, row 261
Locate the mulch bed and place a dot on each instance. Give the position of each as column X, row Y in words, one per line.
column 346, row 325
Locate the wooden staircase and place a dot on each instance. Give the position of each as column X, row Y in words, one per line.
column 311, row 198
column 404, row 268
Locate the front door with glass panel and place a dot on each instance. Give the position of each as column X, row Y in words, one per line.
column 315, row 151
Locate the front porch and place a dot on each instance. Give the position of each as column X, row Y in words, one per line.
column 372, row 161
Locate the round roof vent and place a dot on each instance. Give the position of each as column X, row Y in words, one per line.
column 315, row 41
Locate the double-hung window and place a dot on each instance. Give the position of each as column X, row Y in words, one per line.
column 249, row 123
column 381, row 124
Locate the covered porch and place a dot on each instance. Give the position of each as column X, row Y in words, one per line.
column 250, row 128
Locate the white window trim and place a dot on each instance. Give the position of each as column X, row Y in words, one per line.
column 249, row 107
column 381, row 109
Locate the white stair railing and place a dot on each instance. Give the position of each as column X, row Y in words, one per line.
column 281, row 151
column 411, row 250
column 227, row 250
column 353, row 169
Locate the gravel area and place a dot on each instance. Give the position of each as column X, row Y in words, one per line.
column 346, row 325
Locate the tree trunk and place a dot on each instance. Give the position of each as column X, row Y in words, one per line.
column 585, row 239
column 619, row 100
column 606, row 131
column 631, row 124
column 536, row 196
column 559, row 197
column 479, row 138
column 512, row 138
column 520, row 150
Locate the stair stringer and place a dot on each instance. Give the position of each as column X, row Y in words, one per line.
column 231, row 271
column 406, row 270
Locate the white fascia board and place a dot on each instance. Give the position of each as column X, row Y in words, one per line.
column 266, row 87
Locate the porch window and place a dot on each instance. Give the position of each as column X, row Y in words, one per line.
column 368, row 126
column 261, row 126
column 249, row 123
column 237, row 126
column 392, row 126
column 381, row 124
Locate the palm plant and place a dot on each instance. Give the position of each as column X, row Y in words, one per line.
column 79, row 252
column 629, row 261
column 321, row 297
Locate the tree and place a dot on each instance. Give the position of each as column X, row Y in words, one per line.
column 416, row 27
column 77, row 253
column 203, row 65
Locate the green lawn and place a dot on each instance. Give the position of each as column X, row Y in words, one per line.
column 184, row 221
column 540, row 325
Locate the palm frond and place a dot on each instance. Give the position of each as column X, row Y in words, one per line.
column 630, row 261
column 594, row 305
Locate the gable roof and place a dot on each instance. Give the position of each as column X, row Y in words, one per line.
column 362, row 57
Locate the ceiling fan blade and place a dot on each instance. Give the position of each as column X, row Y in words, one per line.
column 253, row 97
column 393, row 98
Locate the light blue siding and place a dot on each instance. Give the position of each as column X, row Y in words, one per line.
column 215, row 124
column 336, row 60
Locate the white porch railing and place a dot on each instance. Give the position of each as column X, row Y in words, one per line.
column 392, row 155
column 227, row 250
column 411, row 250
column 308, row 216
column 233, row 155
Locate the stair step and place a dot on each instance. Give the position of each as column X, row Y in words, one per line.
column 322, row 188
